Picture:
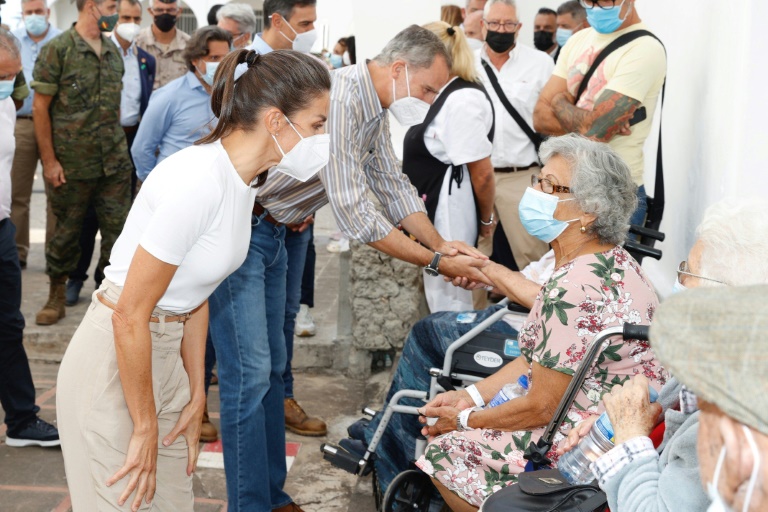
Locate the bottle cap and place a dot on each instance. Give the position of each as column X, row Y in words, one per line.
column 523, row 381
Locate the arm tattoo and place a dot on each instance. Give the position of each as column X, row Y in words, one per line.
column 611, row 112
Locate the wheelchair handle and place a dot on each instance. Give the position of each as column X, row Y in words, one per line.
column 635, row 332
column 647, row 232
column 643, row 250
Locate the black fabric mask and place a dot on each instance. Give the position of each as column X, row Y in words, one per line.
column 500, row 42
column 165, row 22
column 543, row 40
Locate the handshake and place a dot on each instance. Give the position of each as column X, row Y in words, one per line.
column 464, row 266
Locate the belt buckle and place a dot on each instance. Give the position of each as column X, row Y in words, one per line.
column 186, row 316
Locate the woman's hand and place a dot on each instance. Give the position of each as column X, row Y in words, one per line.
column 630, row 410
column 458, row 247
column 576, row 434
column 457, row 399
column 140, row 466
column 189, row 425
column 463, row 282
column 446, row 420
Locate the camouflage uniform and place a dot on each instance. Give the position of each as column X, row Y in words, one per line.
column 170, row 59
column 88, row 142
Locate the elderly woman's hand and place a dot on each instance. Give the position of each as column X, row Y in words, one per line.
column 576, row 434
column 446, row 420
column 630, row 410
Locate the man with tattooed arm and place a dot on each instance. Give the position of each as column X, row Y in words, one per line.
column 618, row 103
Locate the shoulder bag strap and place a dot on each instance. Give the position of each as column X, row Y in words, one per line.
column 612, row 47
column 532, row 135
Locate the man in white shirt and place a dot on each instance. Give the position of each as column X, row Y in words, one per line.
column 521, row 72
column 17, row 391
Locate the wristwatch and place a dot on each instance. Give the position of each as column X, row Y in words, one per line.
column 490, row 222
column 431, row 269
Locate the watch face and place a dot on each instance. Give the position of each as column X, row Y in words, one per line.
column 431, row 271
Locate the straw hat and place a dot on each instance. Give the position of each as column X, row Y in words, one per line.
column 715, row 341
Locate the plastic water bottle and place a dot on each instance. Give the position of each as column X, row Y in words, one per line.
column 510, row 391
column 574, row 465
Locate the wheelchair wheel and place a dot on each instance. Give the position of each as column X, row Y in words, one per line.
column 409, row 491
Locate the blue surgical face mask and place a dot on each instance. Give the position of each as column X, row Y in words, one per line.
column 607, row 21
column 537, row 213
column 336, row 61
column 563, row 35
column 6, row 88
column 678, row 287
column 36, row 24
column 210, row 72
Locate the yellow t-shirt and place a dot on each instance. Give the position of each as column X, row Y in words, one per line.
column 636, row 70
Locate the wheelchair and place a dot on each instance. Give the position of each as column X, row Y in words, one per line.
column 471, row 358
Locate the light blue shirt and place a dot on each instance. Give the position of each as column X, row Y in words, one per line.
column 178, row 114
column 130, row 98
column 29, row 52
column 260, row 46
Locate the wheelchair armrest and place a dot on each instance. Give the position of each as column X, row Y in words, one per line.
column 513, row 307
column 636, row 249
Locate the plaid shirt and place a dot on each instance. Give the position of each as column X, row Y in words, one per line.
column 613, row 461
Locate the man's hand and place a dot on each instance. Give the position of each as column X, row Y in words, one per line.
column 303, row 226
column 53, row 173
column 630, row 410
column 576, row 434
column 459, row 247
column 463, row 282
column 464, row 266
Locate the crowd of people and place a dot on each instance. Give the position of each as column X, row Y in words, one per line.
column 201, row 160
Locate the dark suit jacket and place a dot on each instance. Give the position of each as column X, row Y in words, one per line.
column 147, row 75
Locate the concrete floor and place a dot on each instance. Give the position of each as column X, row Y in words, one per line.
column 32, row 479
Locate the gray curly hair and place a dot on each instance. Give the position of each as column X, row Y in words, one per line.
column 601, row 182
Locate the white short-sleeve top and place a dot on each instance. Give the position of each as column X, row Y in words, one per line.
column 193, row 211
column 459, row 133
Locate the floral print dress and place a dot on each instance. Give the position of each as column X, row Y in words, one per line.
column 583, row 297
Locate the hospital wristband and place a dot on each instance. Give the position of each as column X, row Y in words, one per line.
column 476, row 396
column 463, row 418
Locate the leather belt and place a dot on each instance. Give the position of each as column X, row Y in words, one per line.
column 153, row 319
column 515, row 169
column 29, row 118
column 259, row 210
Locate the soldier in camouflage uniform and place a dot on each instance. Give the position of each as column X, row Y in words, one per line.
column 77, row 83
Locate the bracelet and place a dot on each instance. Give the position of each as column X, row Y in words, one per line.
column 490, row 222
column 463, row 418
column 476, row 396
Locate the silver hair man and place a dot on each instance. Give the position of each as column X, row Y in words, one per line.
column 415, row 45
column 486, row 10
column 10, row 47
column 733, row 242
column 240, row 14
column 601, row 182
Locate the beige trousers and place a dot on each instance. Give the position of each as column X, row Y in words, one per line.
column 22, row 179
column 95, row 425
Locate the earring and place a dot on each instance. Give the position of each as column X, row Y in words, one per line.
column 583, row 229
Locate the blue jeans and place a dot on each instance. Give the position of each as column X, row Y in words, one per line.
column 424, row 349
column 308, row 279
column 296, row 247
column 638, row 216
column 247, row 320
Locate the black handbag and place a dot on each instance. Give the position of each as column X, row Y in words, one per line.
column 546, row 490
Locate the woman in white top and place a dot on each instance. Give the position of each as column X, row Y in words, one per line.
column 131, row 382
column 447, row 158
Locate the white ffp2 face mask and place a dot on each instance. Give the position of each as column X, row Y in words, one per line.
column 302, row 42
column 128, row 31
column 408, row 111
column 306, row 158
column 718, row 503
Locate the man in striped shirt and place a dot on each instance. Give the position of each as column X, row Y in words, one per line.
column 248, row 309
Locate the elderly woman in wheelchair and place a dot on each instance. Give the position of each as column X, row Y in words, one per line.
column 581, row 204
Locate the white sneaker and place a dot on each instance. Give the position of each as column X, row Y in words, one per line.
column 305, row 325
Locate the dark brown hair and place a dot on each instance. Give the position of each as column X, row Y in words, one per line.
column 451, row 14
column 197, row 46
column 284, row 79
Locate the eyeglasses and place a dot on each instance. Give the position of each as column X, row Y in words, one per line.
column 684, row 270
column 603, row 4
column 509, row 26
column 547, row 186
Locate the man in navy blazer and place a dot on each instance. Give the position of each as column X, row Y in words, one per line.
column 138, row 80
